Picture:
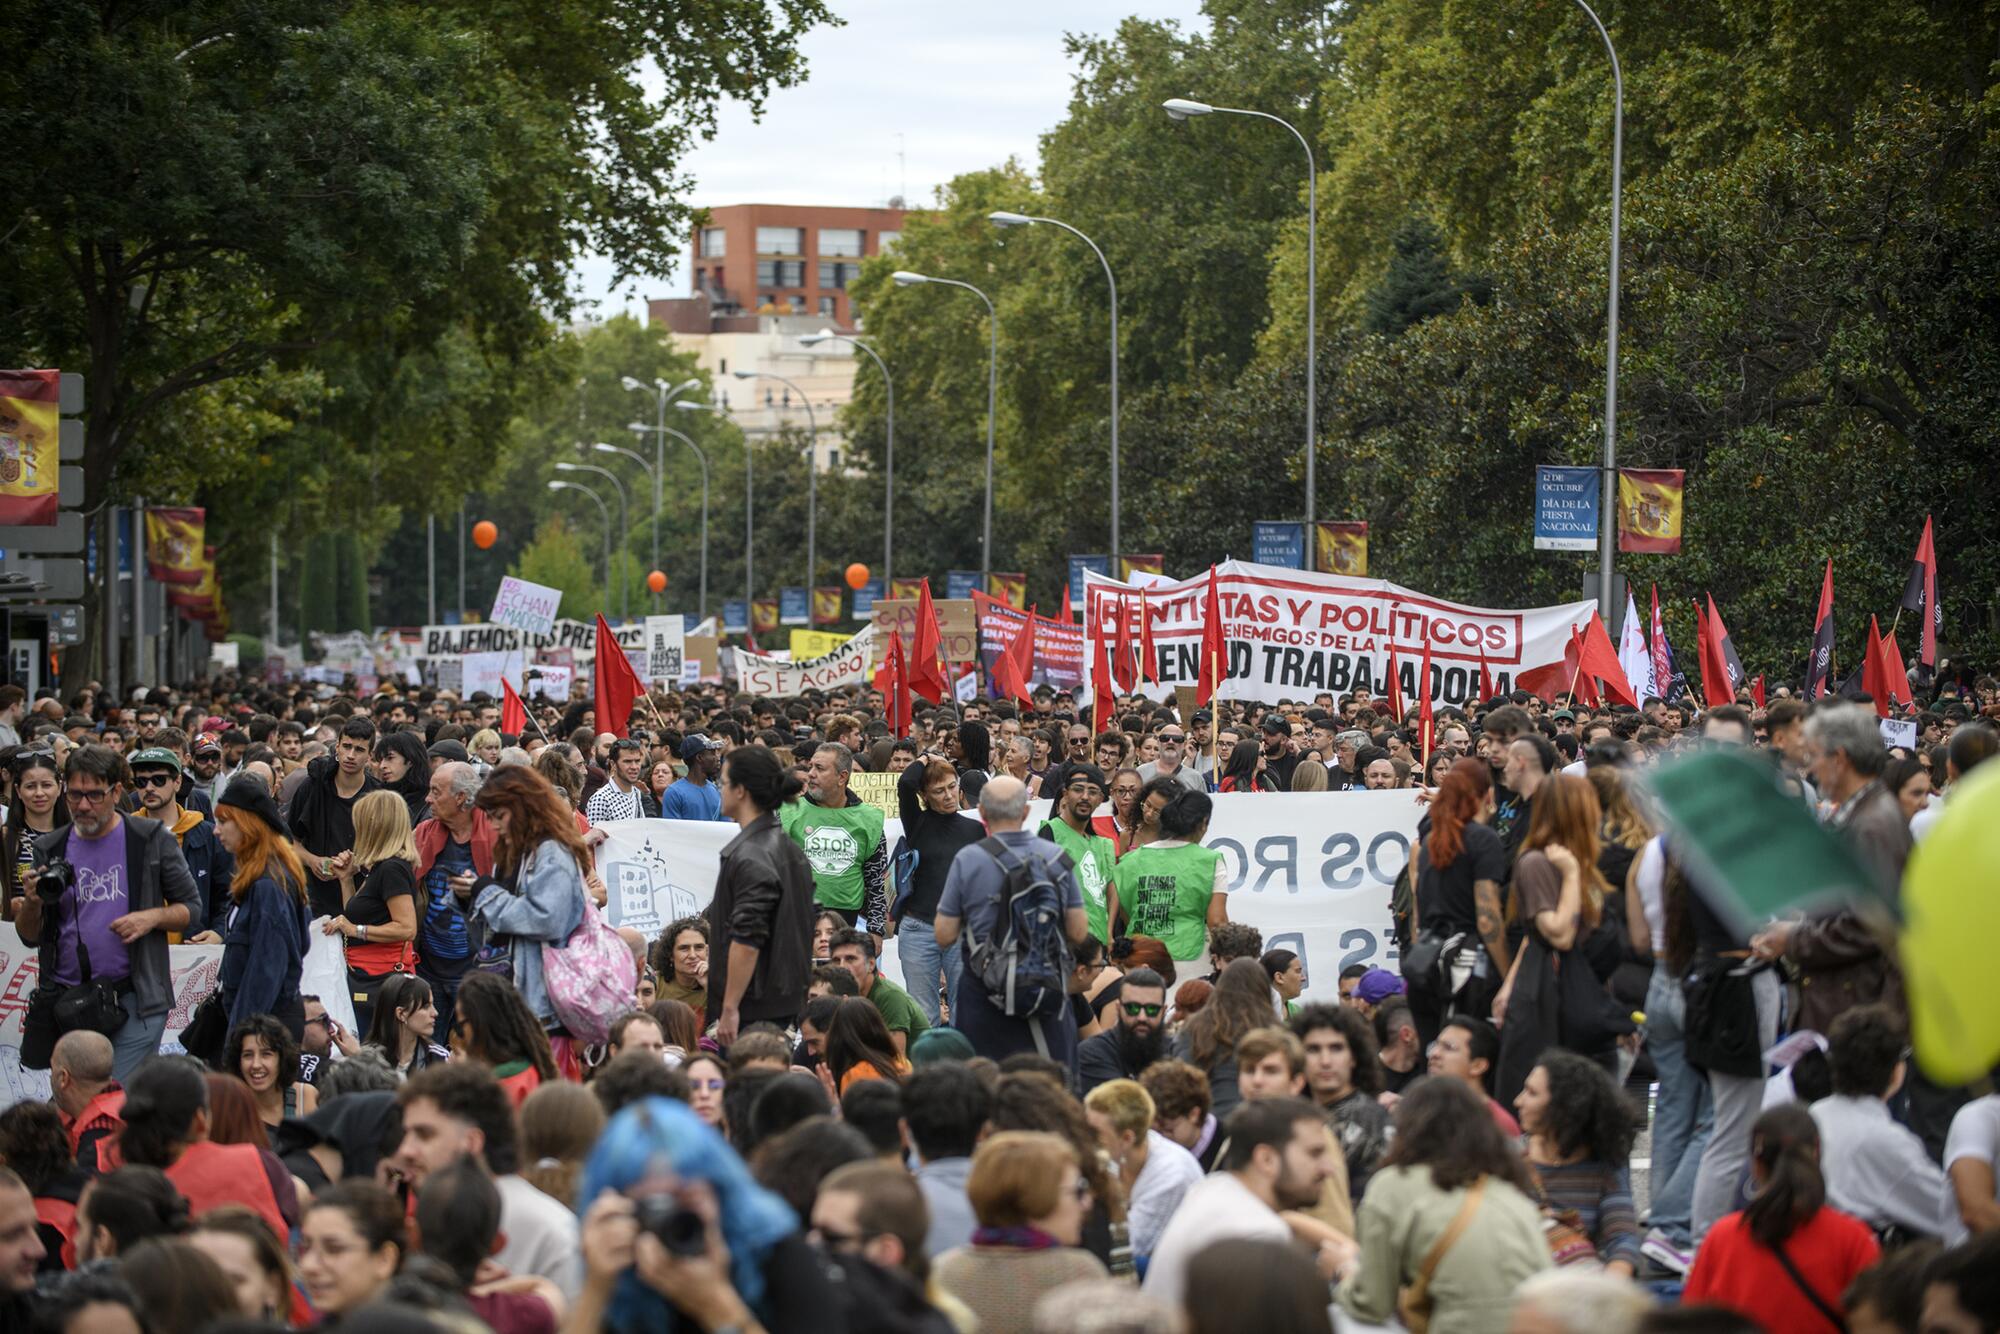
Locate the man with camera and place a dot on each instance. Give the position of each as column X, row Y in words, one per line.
column 102, row 896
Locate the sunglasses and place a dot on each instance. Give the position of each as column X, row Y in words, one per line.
column 1137, row 1008
column 154, row 780
column 1172, row 738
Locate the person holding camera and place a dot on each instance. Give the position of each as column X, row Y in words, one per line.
column 102, row 896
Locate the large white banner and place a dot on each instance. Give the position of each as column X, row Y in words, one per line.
column 1294, row 633
column 452, row 641
column 847, row 665
column 1311, row 870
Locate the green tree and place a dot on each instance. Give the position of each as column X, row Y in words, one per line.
column 555, row 557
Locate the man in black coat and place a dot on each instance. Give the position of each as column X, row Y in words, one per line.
column 1138, row 1038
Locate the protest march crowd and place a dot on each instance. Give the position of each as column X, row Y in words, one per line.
column 1091, row 1100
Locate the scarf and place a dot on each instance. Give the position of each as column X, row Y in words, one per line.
column 1020, row 1238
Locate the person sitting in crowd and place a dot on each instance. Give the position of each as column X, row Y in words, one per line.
column 1579, row 1138
column 1029, row 1196
column 404, row 1019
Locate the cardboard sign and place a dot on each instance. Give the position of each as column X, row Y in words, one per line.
column 878, row 790
column 526, row 606
column 958, row 626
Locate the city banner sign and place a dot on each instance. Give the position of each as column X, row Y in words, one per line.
column 1292, row 634
column 1566, row 509
column 1278, row 542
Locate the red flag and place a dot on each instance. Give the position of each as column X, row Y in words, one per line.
column 1012, row 668
column 1149, row 667
column 1124, row 670
column 1895, row 677
column 1920, row 596
column 896, row 693
column 1715, row 684
column 1068, row 615
column 513, row 713
column 1882, row 674
column 926, row 668
column 1599, row 661
column 1582, row 687
column 1757, row 691
column 1424, row 702
column 1393, row 686
column 1485, row 677
column 616, row 685
column 1103, row 681
column 1725, row 648
column 1214, row 653
column 1819, row 664
column 1663, row 666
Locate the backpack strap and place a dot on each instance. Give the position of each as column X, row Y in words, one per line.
column 1460, row 1221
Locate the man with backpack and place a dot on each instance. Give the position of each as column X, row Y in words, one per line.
column 1015, row 899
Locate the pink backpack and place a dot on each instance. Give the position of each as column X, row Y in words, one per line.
column 591, row 977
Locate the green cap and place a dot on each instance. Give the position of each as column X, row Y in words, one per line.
column 154, row 757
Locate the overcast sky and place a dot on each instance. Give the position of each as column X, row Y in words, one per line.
column 907, row 95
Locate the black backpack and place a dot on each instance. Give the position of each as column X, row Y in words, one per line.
column 1025, row 964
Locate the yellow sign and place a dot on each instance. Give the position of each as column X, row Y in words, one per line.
column 810, row 644
column 878, row 790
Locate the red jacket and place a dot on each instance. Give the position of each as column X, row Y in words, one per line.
column 431, row 836
column 210, row 1174
column 93, row 1134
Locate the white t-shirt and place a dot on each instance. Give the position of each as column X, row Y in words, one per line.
column 1165, row 1178
column 1974, row 1135
column 1652, row 885
column 540, row 1236
column 1216, row 1208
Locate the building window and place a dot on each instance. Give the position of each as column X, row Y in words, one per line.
column 840, row 242
column 883, row 240
column 725, row 367
column 781, row 240
column 781, row 273
column 714, row 243
column 832, row 458
column 826, row 306
column 837, row 276
column 701, row 280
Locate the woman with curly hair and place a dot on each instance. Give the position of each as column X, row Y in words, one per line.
column 1242, row 1000
column 1579, row 1139
column 34, row 1145
column 680, row 957
column 263, row 1054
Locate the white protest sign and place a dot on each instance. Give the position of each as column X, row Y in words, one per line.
column 1311, row 870
column 226, row 656
column 1899, row 732
column 765, row 674
column 966, row 688
column 553, row 682
column 526, row 606
column 485, row 671
column 1294, row 633
column 666, row 639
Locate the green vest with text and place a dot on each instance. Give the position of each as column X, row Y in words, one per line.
column 1095, row 856
column 1164, row 893
column 836, row 843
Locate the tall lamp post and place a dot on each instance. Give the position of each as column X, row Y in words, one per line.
column 651, row 476
column 904, row 278
column 624, row 530
column 560, row 485
column 1004, row 219
column 889, row 448
column 749, row 503
column 812, row 471
column 1181, row 108
column 641, row 428
column 662, row 395
column 1607, row 510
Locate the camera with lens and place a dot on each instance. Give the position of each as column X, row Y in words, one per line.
column 53, row 878
column 679, row 1228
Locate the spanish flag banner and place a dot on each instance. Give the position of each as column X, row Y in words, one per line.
column 173, row 545
column 764, row 615
column 1650, row 502
column 200, row 600
column 1011, row 589
column 1341, row 547
column 905, row 590
column 30, row 439
column 1154, row 564
column 826, row 605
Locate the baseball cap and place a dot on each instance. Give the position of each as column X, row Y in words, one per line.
column 695, row 743
column 1377, row 985
column 1563, row 713
column 206, row 742
column 1276, row 724
column 1202, row 716
column 155, row 757
column 453, row 752
column 1089, row 772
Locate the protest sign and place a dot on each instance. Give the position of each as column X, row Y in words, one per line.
column 958, row 625
column 703, row 654
column 766, row 674
column 1323, row 894
column 526, row 606
column 1293, row 633
column 550, row 682
column 1058, row 643
column 878, row 790
column 666, row 642
column 966, row 688
column 450, row 641
column 815, row 643
column 485, row 671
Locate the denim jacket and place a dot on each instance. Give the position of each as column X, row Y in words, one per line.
column 544, row 906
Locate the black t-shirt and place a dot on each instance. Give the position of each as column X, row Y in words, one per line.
column 392, row 878
column 1278, row 771
column 1445, row 904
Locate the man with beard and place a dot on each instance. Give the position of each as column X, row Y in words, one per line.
column 842, row 837
column 1278, row 1159
column 1080, row 790
column 1124, row 1050
column 625, row 797
column 1279, row 761
column 205, row 765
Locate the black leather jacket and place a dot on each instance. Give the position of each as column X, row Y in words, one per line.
column 763, row 897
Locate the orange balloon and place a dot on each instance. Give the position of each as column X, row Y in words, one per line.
column 657, row 581
column 484, row 534
column 857, row 575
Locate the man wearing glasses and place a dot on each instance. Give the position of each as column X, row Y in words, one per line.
column 1173, row 751
column 131, row 887
column 1079, row 792
column 1077, row 743
column 156, row 781
column 1138, row 1039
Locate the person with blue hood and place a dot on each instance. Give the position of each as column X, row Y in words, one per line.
column 677, row 1235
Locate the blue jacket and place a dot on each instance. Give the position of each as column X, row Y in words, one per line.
column 264, row 945
column 543, row 907
column 213, row 868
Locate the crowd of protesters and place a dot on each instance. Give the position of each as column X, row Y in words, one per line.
column 1091, row 1100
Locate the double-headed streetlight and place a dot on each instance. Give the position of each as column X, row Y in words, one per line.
column 749, row 502
column 640, row 428
column 662, row 395
column 1181, row 108
column 559, row 485
column 812, row 470
column 904, row 278
column 889, row 451
column 624, row 529
column 1004, row 219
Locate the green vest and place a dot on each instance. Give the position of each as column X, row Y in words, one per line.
column 1164, row 893
column 1094, row 856
column 836, row 843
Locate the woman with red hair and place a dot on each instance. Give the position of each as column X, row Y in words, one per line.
column 1455, row 875
column 264, row 932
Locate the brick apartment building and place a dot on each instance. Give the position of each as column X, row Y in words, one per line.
column 778, row 259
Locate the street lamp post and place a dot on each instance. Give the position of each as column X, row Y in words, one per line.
column 662, row 395
column 1004, row 219
column 1607, row 507
column 560, row 485
column 812, row 471
column 624, row 530
column 653, row 477
column 641, row 428
column 1181, row 108
column 749, row 507
column 904, row 278
column 889, row 447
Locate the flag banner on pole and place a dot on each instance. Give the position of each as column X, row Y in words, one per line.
column 1566, row 502
column 1011, row 589
column 906, row 590
column 1341, row 547
column 1279, row 542
column 736, row 616
column 174, row 539
column 1819, row 664
column 1077, row 566
column 762, row 674
column 526, row 606
column 826, row 604
column 1293, row 632
column 865, row 598
column 1920, row 596
column 1129, row 565
column 959, row 584
column 1058, row 643
column 198, row 598
column 617, row 687
column 794, row 606
column 1650, row 501
column 30, row 443
column 764, row 615
column 1725, row 649
column 1633, row 654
